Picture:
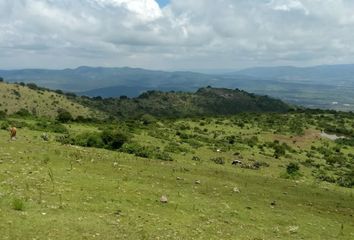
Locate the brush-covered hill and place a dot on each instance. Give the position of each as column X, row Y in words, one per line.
column 15, row 98
column 205, row 102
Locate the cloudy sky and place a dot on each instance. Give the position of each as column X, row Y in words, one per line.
column 175, row 34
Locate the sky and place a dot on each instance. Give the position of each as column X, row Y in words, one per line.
column 175, row 34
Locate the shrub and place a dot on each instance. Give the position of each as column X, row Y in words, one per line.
column 218, row 160
column 163, row 156
column 18, row 204
column 347, row 179
column 64, row 116
column 5, row 125
column 3, row 115
column 45, row 126
column 148, row 119
column 292, row 169
column 113, row 139
column 23, row 113
column 32, row 86
column 174, row 147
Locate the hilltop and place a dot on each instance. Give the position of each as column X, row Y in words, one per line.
column 204, row 102
column 16, row 98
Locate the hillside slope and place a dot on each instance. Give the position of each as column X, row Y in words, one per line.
column 50, row 190
column 14, row 97
column 205, row 102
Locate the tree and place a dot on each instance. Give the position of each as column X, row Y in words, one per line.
column 114, row 139
column 64, row 116
column 32, row 86
column 1, row 79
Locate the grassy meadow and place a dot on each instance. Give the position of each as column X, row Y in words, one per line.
column 54, row 190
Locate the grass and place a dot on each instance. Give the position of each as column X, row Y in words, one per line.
column 72, row 192
column 41, row 103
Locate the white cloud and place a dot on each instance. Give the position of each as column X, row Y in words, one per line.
column 184, row 34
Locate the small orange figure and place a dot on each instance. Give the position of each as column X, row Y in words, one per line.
column 13, row 132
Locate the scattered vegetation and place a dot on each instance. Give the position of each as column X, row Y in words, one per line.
column 225, row 177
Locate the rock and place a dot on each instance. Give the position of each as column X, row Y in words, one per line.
column 178, row 178
column 236, row 190
column 197, row 182
column 293, row 229
column 164, row 199
column 196, row 158
column 273, row 203
column 45, row 137
column 235, row 162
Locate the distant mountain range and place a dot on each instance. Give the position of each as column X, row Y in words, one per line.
column 326, row 86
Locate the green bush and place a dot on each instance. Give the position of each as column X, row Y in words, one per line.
column 23, row 113
column 174, row 147
column 4, row 125
column 113, row 139
column 292, row 169
column 3, row 115
column 46, row 126
column 18, row 204
column 64, row 116
column 218, row 160
column 148, row 119
column 347, row 179
column 145, row 151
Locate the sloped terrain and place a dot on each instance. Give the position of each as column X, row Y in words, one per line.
column 286, row 185
column 14, row 97
column 205, row 102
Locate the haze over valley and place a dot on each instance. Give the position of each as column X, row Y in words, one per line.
column 325, row 86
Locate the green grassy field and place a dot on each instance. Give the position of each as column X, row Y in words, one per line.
column 53, row 191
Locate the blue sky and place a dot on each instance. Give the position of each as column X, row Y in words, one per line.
column 163, row 2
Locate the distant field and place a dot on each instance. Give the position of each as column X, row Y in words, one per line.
column 308, row 95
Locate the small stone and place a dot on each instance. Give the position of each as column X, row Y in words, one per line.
column 236, row 190
column 164, row 199
column 273, row 203
column 293, row 229
column 197, row 182
column 178, row 178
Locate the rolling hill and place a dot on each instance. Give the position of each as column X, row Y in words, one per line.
column 204, row 102
column 14, row 97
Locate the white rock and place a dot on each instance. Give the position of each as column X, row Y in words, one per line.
column 164, row 199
